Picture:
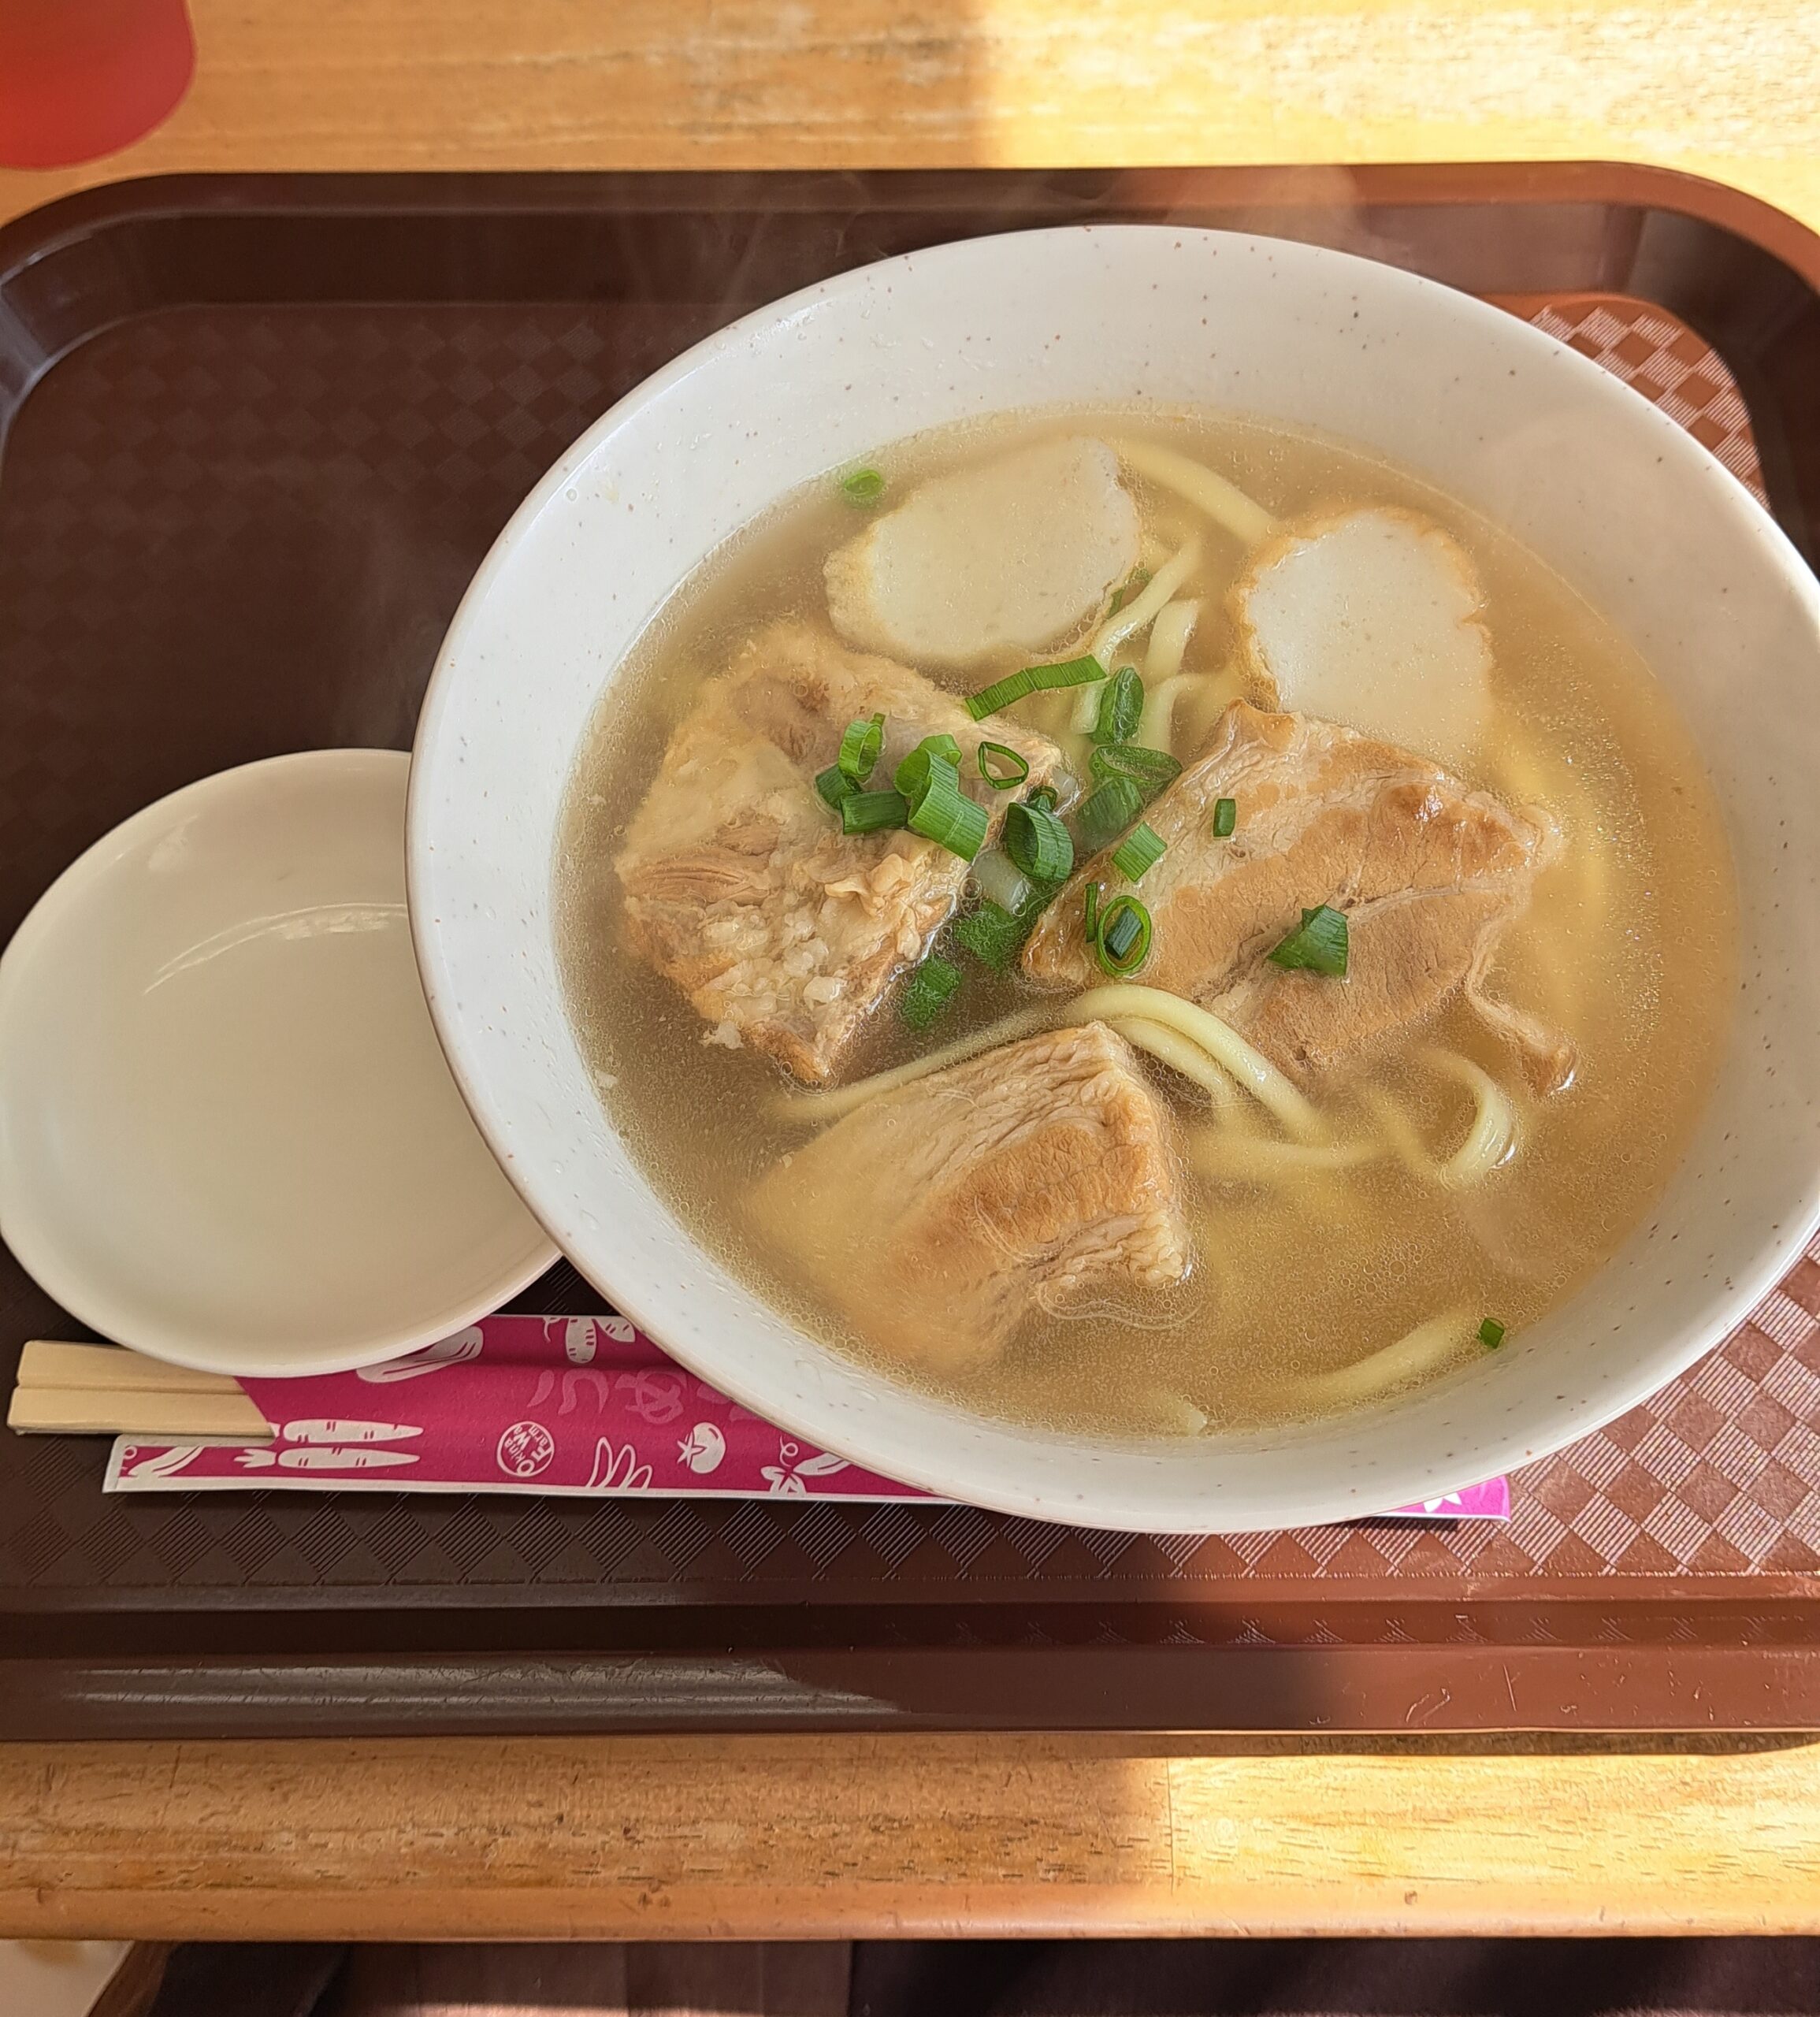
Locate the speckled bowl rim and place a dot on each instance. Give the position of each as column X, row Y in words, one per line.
column 1290, row 1475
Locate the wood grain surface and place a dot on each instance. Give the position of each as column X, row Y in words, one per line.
column 1722, row 88
column 772, row 1837
column 807, row 1837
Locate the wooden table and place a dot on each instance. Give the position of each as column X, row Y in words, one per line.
column 1729, row 88
column 803, row 1837
column 849, row 1837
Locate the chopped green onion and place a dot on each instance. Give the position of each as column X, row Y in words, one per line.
column 931, row 989
column 860, row 743
column 1319, row 943
column 963, row 834
column 1139, row 853
column 928, row 783
column 1092, row 926
column 873, row 811
column 1044, row 796
column 1117, row 938
column 1149, row 770
column 1003, row 693
column 834, row 785
column 1005, row 769
column 1108, row 809
column 1038, row 843
column 990, row 934
column 993, row 934
column 913, row 772
column 1121, row 707
column 1490, row 1334
column 940, row 811
column 1123, row 943
column 1033, row 679
column 1139, row 580
column 862, row 487
column 1070, row 672
column 996, row 876
column 1225, row 818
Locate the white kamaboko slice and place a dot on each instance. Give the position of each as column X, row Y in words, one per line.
column 1012, row 555
column 1373, row 618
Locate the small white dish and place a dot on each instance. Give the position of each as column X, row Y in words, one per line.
column 228, row 1135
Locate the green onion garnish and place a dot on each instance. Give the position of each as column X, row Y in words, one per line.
column 1121, row 707
column 1001, row 693
column 860, row 743
column 1319, row 943
column 913, row 772
column 995, row 935
column 862, row 487
column 873, row 811
column 1149, row 770
column 990, row 934
column 1108, row 809
column 1225, row 818
column 1043, row 796
column 1092, row 926
column 834, row 785
column 1138, row 852
column 931, row 990
column 940, row 810
column 1140, row 580
column 1002, row 767
column 1123, row 942
column 1490, row 1334
column 928, row 783
column 1038, row 843
column 1032, row 679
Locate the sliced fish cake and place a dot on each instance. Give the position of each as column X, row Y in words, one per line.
column 1011, row 555
column 1373, row 617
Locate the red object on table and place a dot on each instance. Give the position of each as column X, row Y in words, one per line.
column 81, row 78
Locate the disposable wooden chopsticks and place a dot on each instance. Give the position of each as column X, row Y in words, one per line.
column 104, row 1390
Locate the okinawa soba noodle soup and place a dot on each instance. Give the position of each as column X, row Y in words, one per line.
column 1421, row 873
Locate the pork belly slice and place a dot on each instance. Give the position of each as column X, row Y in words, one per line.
column 740, row 886
column 1428, row 873
column 1012, row 555
column 940, row 1216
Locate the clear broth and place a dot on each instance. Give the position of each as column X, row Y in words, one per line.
column 1628, row 943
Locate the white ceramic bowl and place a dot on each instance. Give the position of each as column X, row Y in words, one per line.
column 228, row 1136
column 1608, row 491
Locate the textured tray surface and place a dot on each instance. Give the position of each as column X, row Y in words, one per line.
column 226, row 532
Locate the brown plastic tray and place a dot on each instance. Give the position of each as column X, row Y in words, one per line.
column 257, row 433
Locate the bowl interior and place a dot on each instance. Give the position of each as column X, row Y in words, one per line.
column 228, row 1136
column 1608, row 491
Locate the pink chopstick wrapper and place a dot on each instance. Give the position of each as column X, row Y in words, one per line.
column 584, row 1404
